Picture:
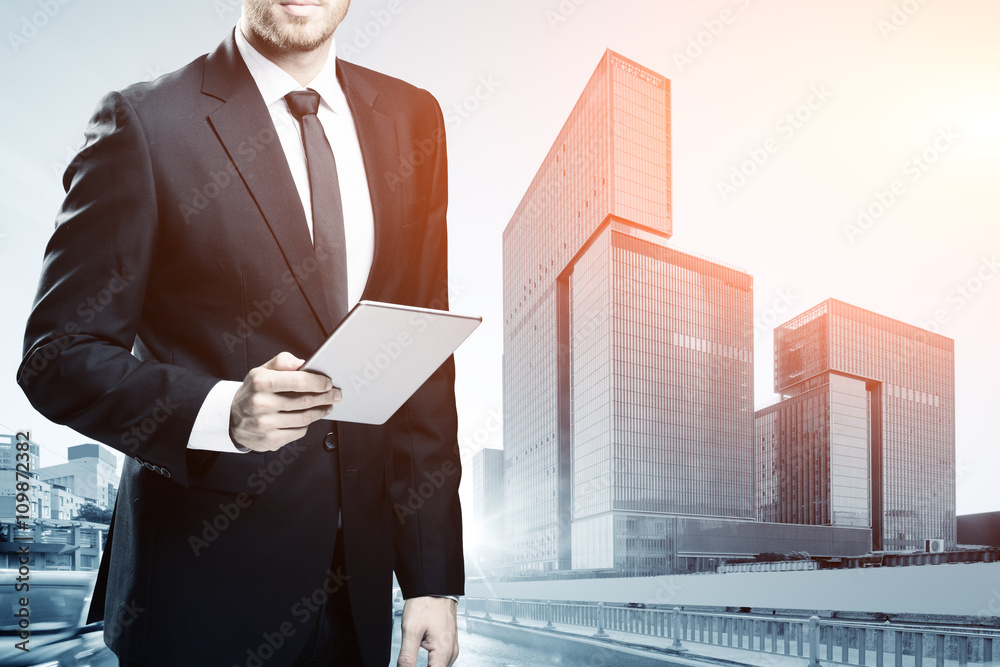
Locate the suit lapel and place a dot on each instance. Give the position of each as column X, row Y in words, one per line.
column 381, row 152
column 243, row 125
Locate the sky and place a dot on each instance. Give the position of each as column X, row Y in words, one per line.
column 845, row 150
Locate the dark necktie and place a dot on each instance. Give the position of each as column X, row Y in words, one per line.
column 327, row 208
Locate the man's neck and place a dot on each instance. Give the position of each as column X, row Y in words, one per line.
column 303, row 66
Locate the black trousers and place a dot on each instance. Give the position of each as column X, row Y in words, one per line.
column 332, row 640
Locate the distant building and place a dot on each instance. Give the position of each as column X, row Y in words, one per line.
column 14, row 470
column 39, row 496
column 864, row 434
column 981, row 529
column 55, row 545
column 488, row 507
column 64, row 504
column 90, row 472
column 57, row 492
column 43, row 518
column 45, row 501
column 813, row 456
column 9, row 451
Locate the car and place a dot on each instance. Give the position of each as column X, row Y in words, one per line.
column 397, row 602
column 56, row 608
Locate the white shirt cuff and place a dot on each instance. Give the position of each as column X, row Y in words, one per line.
column 211, row 426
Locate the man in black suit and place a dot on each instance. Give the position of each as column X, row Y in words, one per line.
column 217, row 225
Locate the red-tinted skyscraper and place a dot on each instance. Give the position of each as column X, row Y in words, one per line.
column 627, row 363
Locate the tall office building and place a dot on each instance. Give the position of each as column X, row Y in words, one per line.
column 488, row 507
column 627, row 364
column 865, row 431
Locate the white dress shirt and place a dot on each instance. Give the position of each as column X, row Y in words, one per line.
column 211, row 426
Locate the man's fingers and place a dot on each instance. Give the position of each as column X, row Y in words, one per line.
column 277, row 382
column 298, row 418
column 410, row 644
column 442, row 656
column 284, row 361
column 277, row 402
column 442, row 648
column 429, row 622
column 278, row 438
column 298, row 401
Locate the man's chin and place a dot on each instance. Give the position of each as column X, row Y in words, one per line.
column 303, row 37
column 286, row 31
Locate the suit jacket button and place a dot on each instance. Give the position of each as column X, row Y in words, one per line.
column 330, row 442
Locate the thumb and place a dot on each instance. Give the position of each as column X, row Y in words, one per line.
column 284, row 361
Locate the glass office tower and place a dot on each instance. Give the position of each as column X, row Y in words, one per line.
column 487, row 507
column 627, row 364
column 813, row 456
column 844, row 371
column 660, row 398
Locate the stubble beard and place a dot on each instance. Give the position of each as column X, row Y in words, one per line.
column 291, row 33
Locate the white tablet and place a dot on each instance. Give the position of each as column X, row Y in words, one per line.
column 383, row 352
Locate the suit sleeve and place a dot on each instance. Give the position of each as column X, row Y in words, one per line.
column 425, row 461
column 78, row 367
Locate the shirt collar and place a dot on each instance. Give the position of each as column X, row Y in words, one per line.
column 274, row 83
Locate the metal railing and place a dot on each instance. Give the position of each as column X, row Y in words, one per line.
column 852, row 643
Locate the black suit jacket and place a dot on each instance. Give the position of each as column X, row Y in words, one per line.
column 181, row 257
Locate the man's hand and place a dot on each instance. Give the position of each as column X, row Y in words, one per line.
column 431, row 623
column 277, row 402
